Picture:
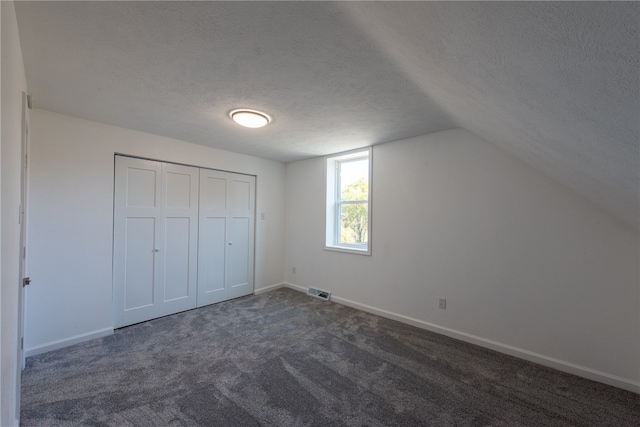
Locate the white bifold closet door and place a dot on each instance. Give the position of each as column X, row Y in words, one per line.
column 225, row 252
column 183, row 237
column 155, row 239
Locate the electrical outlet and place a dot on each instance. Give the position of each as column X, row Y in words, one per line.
column 442, row 303
column 293, row 270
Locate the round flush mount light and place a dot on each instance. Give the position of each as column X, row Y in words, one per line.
column 250, row 118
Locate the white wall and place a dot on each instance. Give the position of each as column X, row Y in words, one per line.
column 71, row 220
column 527, row 266
column 13, row 84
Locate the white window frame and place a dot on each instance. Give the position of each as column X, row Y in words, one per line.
column 332, row 202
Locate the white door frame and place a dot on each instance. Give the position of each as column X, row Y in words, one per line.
column 22, row 268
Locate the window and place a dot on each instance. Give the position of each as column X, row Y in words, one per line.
column 348, row 192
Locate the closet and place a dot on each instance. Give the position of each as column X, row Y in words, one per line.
column 183, row 238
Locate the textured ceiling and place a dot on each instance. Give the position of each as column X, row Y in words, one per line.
column 555, row 84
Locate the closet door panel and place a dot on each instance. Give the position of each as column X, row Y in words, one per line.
column 178, row 189
column 241, row 193
column 177, row 284
column 213, row 192
column 177, row 257
column 141, row 185
column 238, row 253
column 241, row 232
column 137, row 218
column 139, row 263
column 212, row 238
column 212, row 257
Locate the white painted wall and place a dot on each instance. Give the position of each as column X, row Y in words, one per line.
column 526, row 265
column 13, row 84
column 71, row 220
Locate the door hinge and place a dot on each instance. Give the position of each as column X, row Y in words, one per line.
column 22, row 343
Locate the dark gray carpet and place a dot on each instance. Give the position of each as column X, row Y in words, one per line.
column 285, row 359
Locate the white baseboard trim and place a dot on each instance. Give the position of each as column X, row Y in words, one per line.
column 297, row 288
column 541, row 359
column 268, row 288
column 65, row 342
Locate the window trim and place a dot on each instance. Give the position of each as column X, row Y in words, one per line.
column 332, row 182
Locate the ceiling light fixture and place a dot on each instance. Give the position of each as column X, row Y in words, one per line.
column 250, row 118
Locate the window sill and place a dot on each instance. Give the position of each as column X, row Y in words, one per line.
column 348, row 250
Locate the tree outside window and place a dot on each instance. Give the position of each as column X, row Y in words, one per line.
column 354, row 218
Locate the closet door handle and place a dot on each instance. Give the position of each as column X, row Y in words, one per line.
column 156, row 250
column 230, row 243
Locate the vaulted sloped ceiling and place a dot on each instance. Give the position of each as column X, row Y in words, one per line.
column 555, row 84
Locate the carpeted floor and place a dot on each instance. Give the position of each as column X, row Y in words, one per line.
column 285, row 359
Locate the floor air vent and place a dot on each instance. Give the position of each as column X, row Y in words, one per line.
column 317, row 293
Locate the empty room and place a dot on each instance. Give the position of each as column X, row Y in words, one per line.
column 320, row 213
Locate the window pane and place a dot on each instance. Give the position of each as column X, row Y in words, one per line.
column 354, row 223
column 354, row 177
